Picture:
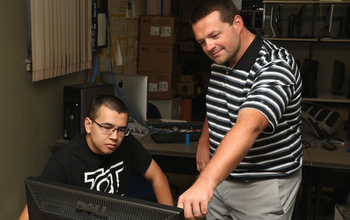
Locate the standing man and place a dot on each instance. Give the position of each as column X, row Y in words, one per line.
column 102, row 158
column 250, row 152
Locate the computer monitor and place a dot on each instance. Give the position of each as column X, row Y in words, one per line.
column 329, row 18
column 49, row 200
column 132, row 89
column 279, row 18
column 300, row 20
column 272, row 18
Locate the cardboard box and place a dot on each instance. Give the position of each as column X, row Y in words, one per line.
column 161, row 85
column 157, row 58
column 159, row 30
column 187, row 88
column 186, row 78
column 169, row 109
column 205, row 77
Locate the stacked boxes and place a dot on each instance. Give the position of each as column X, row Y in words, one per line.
column 158, row 55
column 186, row 86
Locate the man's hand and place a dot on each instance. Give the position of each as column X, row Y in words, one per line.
column 195, row 200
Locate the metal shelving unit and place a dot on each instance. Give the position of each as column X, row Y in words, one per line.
column 321, row 43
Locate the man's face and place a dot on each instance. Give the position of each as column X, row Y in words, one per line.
column 99, row 142
column 220, row 41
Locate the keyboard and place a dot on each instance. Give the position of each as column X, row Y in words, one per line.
column 171, row 124
column 175, row 137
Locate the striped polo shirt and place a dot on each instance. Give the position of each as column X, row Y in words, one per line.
column 267, row 79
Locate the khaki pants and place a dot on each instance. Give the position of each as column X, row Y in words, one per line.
column 271, row 199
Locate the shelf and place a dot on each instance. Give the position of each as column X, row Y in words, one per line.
column 333, row 40
column 326, row 96
column 306, row 2
column 291, row 39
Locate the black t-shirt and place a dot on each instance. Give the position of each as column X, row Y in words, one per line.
column 76, row 164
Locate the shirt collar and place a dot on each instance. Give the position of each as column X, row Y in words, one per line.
column 249, row 57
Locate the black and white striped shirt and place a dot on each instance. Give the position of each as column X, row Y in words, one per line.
column 267, row 79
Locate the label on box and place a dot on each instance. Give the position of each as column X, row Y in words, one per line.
column 152, row 87
column 154, row 31
column 166, row 32
column 163, row 86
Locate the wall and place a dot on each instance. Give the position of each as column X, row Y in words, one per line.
column 30, row 113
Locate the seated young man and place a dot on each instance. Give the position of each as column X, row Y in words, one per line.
column 102, row 158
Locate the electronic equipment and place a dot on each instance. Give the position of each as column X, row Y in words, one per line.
column 272, row 21
column 49, row 200
column 279, row 20
column 175, row 137
column 329, row 18
column 76, row 101
column 329, row 146
column 252, row 5
column 338, row 78
column 247, row 18
column 309, row 78
column 258, row 19
column 313, row 21
column 178, row 124
column 344, row 29
column 132, row 90
column 292, row 19
column 300, row 20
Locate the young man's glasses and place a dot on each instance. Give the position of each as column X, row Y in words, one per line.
column 123, row 131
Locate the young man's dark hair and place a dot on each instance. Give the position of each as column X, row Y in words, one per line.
column 110, row 101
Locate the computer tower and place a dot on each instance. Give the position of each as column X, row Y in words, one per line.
column 76, row 102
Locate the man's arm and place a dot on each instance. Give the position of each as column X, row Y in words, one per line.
column 24, row 215
column 203, row 154
column 159, row 183
column 231, row 151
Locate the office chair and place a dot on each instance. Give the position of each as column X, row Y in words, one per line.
column 153, row 111
column 140, row 188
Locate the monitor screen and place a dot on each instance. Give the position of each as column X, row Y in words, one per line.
column 300, row 20
column 49, row 200
column 279, row 18
column 134, row 92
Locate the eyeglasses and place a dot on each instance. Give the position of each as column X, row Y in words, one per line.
column 123, row 131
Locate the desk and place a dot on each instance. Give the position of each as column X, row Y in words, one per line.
column 169, row 149
column 321, row 158
column 338, row 159
column 173, row 157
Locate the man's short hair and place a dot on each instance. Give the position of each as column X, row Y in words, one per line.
column 226, row 8
column 109, row 101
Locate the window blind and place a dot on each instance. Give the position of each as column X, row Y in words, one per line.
column 60, row 32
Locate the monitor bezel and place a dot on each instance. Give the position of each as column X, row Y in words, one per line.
column 33, row 210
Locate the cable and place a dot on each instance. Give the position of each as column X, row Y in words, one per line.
column 95, row 69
